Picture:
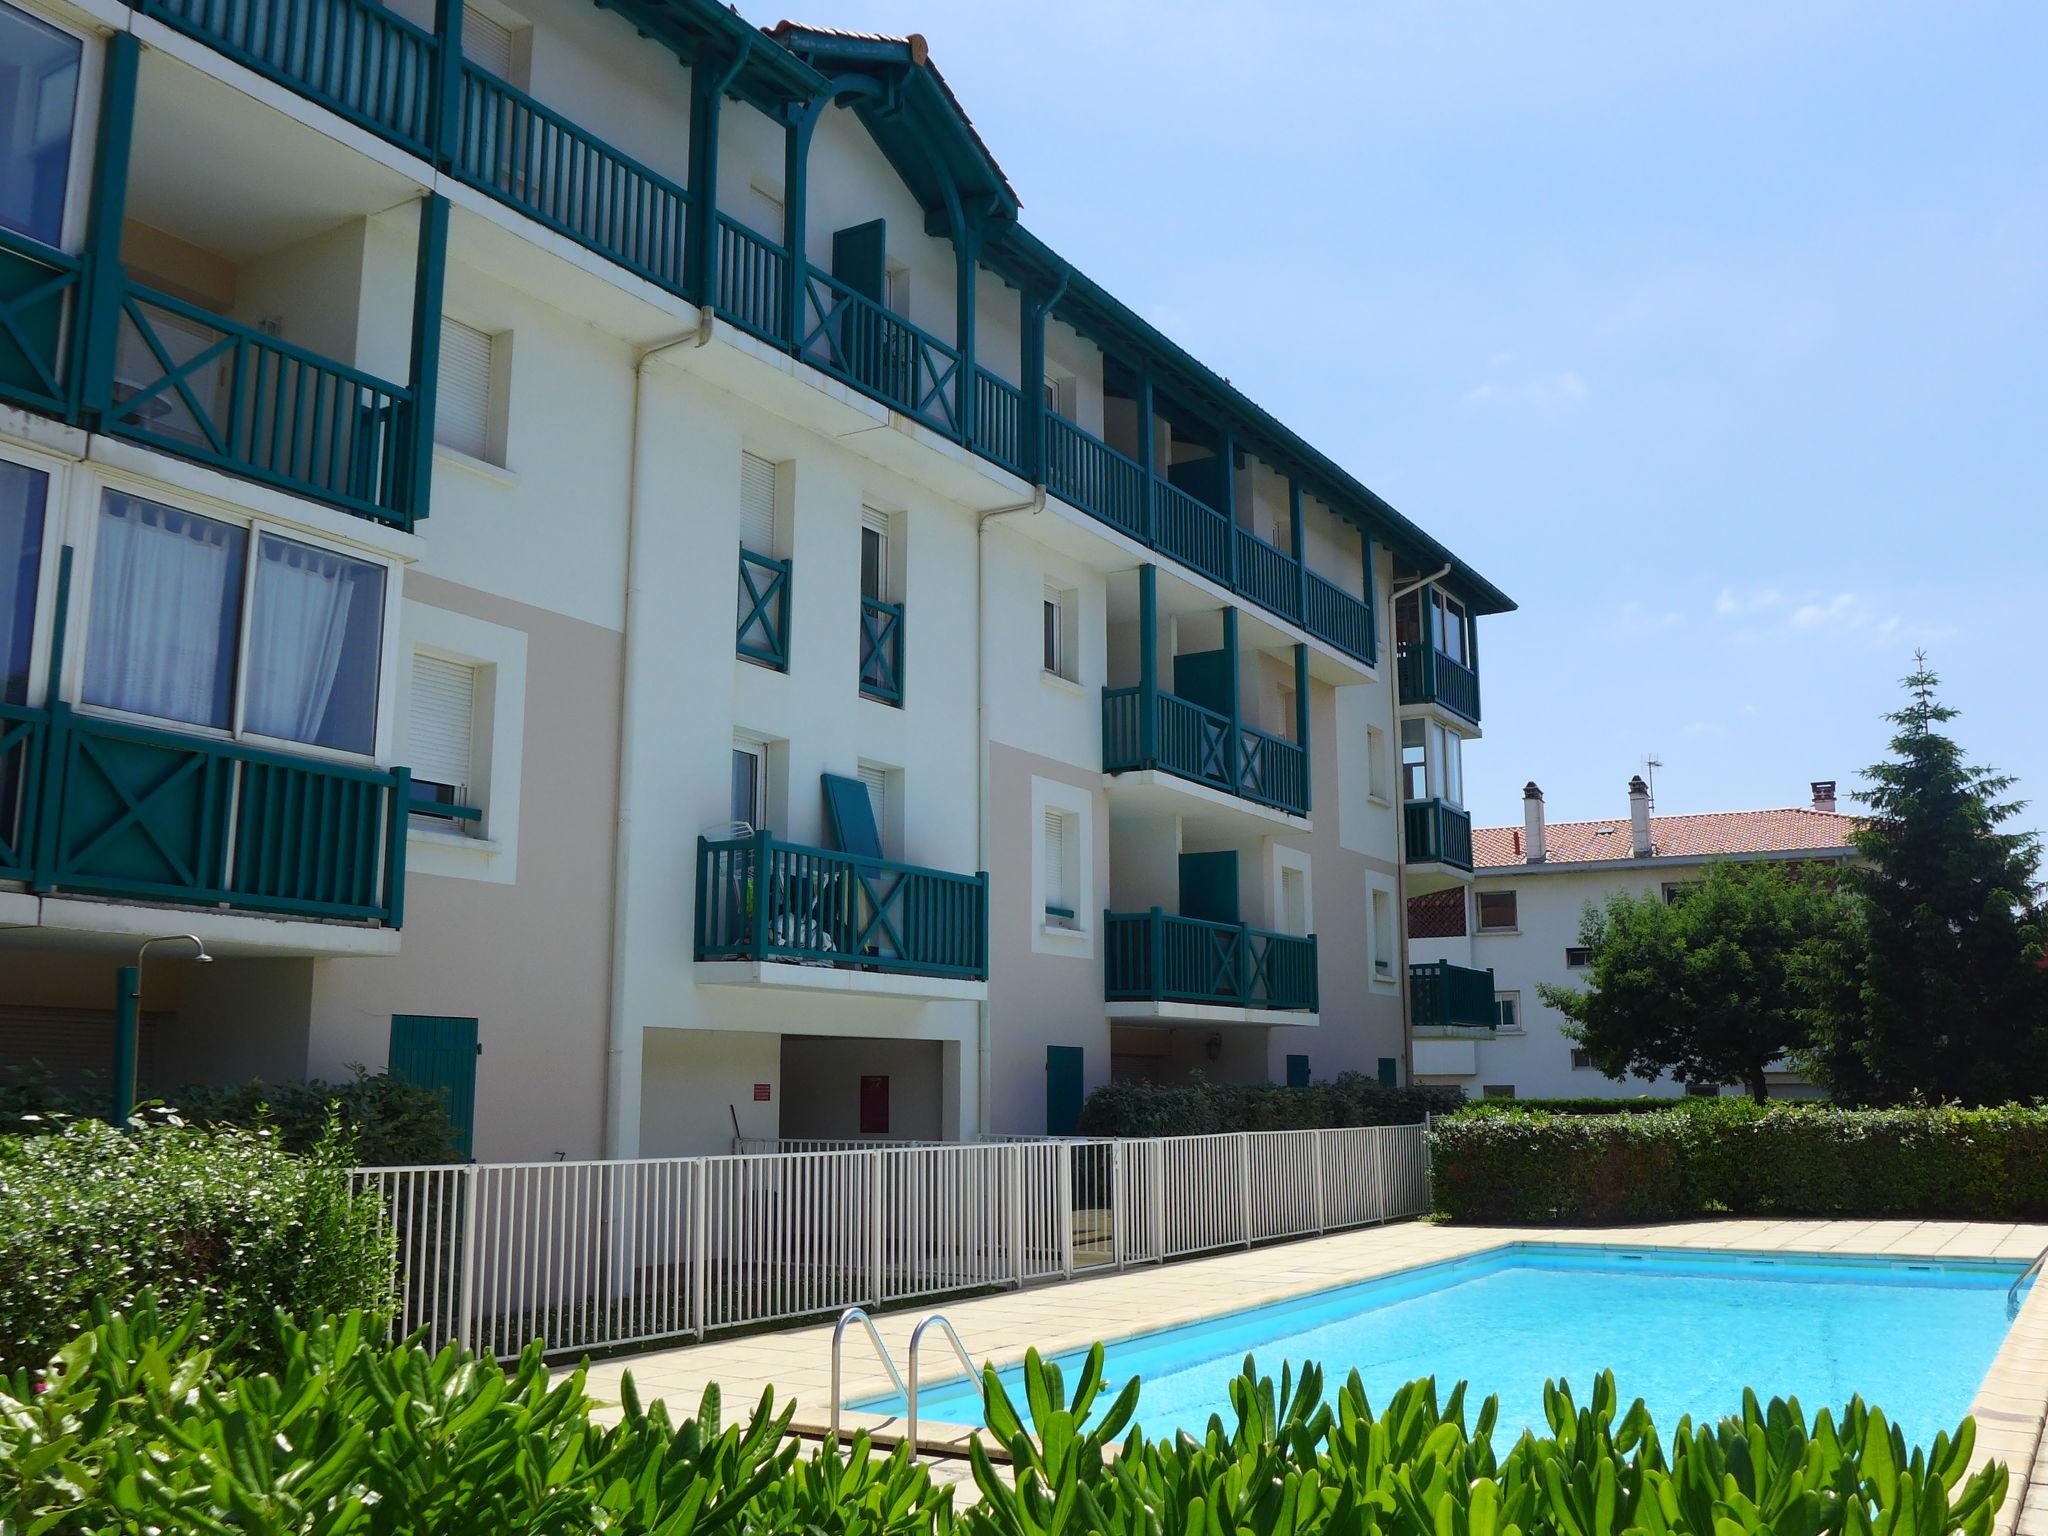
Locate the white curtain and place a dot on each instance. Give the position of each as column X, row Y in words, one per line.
column 162, row 581
column 296, row 637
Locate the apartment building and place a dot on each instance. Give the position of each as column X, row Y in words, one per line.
column 1478, row 954
column 591, row 559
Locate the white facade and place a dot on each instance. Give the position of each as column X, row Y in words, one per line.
column 566, row 615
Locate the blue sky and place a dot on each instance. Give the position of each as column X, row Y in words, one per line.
column 1716, row 335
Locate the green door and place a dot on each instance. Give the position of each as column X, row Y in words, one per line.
column 1390, row 1072
column 1297, row 1071
column 438, row 1052
column 1062, row 1089
column 1208, row 886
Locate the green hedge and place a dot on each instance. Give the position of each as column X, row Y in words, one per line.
column 1202, row 1108
column 1743, row 1159
column 1685, row 1103
column 390, row 1119
column 138, row 1432
column 222, row 1220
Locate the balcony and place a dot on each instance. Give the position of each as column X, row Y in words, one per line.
column 762, row 633
column 1161, row 965
column 1428, row 676
column 1201, row 746
column 102, row 808
column 1443, row 997
column 1438, row 838
column 837, row 917
column 858, row 341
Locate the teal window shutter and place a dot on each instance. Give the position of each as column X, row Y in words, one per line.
column 1390, row 1071
column 860, row 259
column 1297, row 1071
column 1062, row 1089
column 851, row 815
column 439, row 1052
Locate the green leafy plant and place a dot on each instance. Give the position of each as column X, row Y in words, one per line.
column 1200, row 1107
column 225, row 1221
column 1727, row 1155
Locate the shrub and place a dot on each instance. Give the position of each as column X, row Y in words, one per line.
column 392, row 1120
column 1683, row 1103
column 224, row 1221
column 1202, row 1108
column 139, row 1431
column 1978, row 1164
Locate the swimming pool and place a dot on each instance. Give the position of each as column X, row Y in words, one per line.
column 1684, row 1330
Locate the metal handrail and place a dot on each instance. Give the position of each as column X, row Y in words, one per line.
column 2012, row 1294
column 859, row 1315
column 959, row 1350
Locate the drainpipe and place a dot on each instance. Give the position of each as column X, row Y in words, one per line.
column 984, row 1035
column 622, row 1120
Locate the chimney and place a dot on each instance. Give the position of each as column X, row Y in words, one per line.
column 1639, row 817
column 1532, row 822
column 1823, row 794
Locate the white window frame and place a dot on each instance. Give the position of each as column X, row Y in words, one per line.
column 744, row 745
column 1478, row 907
column 1513, row 997
column 883, row 524
column 469, row 785
column 1382, row 922
column 492, row 462
column 896, row 287
column 889, row 813
column 518, row 70
column 85, row 523
column 1077, row 804
column 85, row 109
column 1283, row 861
column 1066, row 605
column 770, row 194
column 1378, row 775
column 60, row 476
column 1059, row 888
column 775, row 500
column 498, row 653
column 1061, row 392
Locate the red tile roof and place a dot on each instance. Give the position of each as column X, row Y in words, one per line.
column 1672, row 837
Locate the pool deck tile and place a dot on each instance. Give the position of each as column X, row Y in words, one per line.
column 2010, row 1406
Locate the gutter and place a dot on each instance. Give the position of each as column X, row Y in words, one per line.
column 623, row 1053
column 984, row 1031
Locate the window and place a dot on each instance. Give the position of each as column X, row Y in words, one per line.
column 1507, row 1007
column 1675, row 889
column 1060, row 626
column 39, row 68
column 24, row 493
column 1414, row 761
column 1703, row 1090
column 440, row 740
column 1450, row 625
column 874, row 554
column 167, row 617
column 757, row 504
column 749, row 784
column 1382, row 935
column 1293, row 900
column 1496, row 911
column 897, row 289
column 1499, row 1090
column 1059, row 841
column 490, row 44
column 1379, row 781
column 463, row 389
column 767, row 209
column 1578, row 957
column 1448, row 748
column 1582, row 1059
column 878, row 782
column 1059, row 393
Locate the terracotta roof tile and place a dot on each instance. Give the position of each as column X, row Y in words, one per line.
column 1706, row 836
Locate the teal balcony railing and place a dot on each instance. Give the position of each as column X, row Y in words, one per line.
column 354, row 57
column 1086, row 472
column 763, row 631
column 1268, row 576
column 1438, row 833
column 1198, row 744
column 1191, row 531
column 567, row 178
column 760, row 898
column 1156, row 956
column 1334, row 615
column 1428, row 676
column 881, row 650
column 752, row 280
column 106, row 808
column 999, row 422
column 194, row 384
column 1446, row 996
column 39, row 302
column 851, row 337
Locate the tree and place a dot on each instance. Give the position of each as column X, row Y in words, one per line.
column 1714, row 985
column 1950, row 1002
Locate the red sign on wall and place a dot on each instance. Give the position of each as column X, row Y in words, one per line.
column 760, row 1093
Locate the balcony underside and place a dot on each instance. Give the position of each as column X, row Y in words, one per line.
column 88, row 925
column 788, row 976
column 1220, row 1015
column 1424, row 876
column 1201, row 807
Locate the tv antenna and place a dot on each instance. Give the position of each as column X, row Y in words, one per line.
column 1650, row 766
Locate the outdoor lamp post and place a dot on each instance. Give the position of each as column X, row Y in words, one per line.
column 128, row 1013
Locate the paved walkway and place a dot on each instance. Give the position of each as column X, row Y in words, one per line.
column 2010, row 1406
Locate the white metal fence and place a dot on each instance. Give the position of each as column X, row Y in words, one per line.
column 592, row 1254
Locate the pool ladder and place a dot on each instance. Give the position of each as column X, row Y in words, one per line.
column 859, row 1315
column 2012, row 1294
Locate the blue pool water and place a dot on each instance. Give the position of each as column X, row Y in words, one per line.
column 1684, row 1331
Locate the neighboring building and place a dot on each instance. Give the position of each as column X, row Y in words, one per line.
column 652, row 310
column 1478, row 955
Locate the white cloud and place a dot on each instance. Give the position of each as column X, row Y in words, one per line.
column 1767, row 613
column 1704, row 728
column 1639, row 618
column 1557, row 391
